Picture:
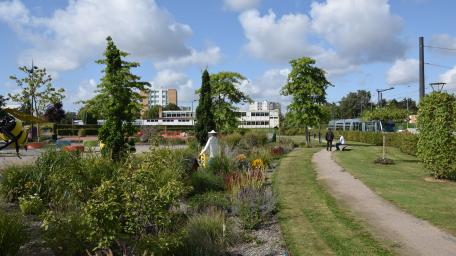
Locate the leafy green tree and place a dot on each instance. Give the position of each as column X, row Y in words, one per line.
column 37, row 91
column 225, row 94
column 437, row 134
column 204, row 112
column 386, row 114
column 307, row 85
column 171, row 106
column 55, row 113
column 354, row 103
column 406, row 103
column 118, row 100
column 152, row 112
column 87, row 116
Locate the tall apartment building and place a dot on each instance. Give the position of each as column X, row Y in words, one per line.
column 162, row 97
column 264, row 106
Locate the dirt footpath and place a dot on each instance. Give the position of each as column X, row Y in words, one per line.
column 412, row 235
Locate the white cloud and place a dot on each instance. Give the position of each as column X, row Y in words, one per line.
column 449, row 77
column 277, row 40
column 340, row 35
column 268, row 86
column 403, row 71
column 364, row 31
column 168, row 78
column 76, row 34
column 241, row 5
column 86, row 90
column 210, row 56
column 444, row 41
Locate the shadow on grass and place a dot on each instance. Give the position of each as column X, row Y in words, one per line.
column 407, row 161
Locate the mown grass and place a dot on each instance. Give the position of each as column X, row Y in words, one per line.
column 403, row 183
column 313, row 223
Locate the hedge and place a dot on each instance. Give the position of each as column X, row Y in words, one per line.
column 437, row 143
column 405, row 141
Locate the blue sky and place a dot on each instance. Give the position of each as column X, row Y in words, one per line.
column 362, row 44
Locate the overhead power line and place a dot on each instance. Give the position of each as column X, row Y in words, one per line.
column 440, row 48
column 437, row 65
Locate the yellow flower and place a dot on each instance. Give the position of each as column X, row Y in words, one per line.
column 257, row 164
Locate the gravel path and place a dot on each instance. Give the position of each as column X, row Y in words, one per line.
column 411, row 235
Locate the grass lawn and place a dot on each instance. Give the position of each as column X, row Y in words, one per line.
column 403, row 183
column 312, row 222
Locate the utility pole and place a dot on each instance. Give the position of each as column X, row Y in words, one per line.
column 421, row 64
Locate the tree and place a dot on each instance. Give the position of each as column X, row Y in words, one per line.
column 55, row 113
column 171, row 106
column 354, row 103
column 204, row 112
column 121, row 101
column 386, row 114
column 152, row 113
column 2, row 101
column 307, row 85
column 225, row 93
column 87, row 116
column 37, row 91
column 406, row 103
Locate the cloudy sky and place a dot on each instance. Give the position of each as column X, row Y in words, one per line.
column 362, row 44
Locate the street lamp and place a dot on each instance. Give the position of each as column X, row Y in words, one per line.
column 193, row 114
column 380, row 94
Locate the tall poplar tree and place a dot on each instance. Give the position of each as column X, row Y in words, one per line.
column 118, row 100
column 204, row 112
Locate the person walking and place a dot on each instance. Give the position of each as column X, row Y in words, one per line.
column 329, row 139
column 341, row 142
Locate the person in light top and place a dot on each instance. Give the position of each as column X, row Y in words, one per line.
column 212, row 146
column 341, row 142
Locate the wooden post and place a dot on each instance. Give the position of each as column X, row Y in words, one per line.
column 384, row 145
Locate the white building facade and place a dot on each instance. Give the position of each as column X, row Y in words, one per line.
column 264, row 106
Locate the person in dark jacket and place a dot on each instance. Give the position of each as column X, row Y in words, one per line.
column 329, row 139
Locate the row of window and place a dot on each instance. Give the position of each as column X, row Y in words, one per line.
column 255, row 123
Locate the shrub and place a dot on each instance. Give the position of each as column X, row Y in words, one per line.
column 221, row 164
column 209, row 200
column 437, row 140
column 81, row 132
column 12, row 234
column 65, row 233
column 206, row 234
column 17, row 182
column 253, row 139
column 254, row 206
column 31, row 204
column 204, row 180
column 232, row 140
column 262, row 154
column 137, row 202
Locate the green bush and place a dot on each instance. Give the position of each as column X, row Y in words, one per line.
column 206, row 234
column 204, row 180
column 81, row 132
column 404, row 141
column 232, row 140
column 65, row 233
column 221, row 165
column 209, row 200
column 137, row 202
column 437, row 138
column 31, row 204
column 16, row 182
column 253, row 139
column 262, row 153
column 254, row 206
column 12, row 234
